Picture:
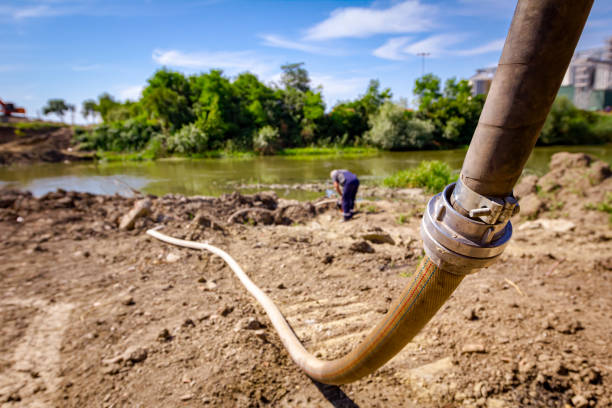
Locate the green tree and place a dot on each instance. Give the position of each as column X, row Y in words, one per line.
column 567, row 124
column 295, row 76
column 89, row 109
column 106, row 103
column 167, row 98
column 453, row 112
column 56, row 106
column 427, row 89
column 395, row 128
column 266, row 140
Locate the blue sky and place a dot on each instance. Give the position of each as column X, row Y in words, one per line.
column 77, row 49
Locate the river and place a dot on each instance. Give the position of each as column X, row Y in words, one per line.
column 218, row 176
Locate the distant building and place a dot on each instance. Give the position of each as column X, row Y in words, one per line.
column 587, row 82
column 481, row 81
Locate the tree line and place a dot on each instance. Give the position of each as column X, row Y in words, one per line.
column 179, row 114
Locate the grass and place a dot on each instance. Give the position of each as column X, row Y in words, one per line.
column 307, row 152
column 432, row 176
column 33, row 125
column 604, row 206
column 402, row 219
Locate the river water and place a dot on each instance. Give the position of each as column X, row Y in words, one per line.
column 218, row 176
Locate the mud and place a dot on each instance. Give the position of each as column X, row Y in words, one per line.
column 96, row 315
column 46, row 144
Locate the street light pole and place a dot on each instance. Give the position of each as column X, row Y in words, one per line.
column 423, row 55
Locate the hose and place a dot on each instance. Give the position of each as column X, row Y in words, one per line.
column 427, row 290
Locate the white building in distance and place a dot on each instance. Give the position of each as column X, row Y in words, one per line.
column 587, row 82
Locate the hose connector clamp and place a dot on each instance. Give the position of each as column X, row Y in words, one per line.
column 490, row 210
column 458, row 243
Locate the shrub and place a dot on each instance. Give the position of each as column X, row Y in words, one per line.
column 189, row 139
column 266, row 140
column 432, row 176
column 131, row 135
column 395, row 128
column 603, row 128
column 567, row 124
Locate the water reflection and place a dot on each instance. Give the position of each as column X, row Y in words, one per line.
column 217, row 176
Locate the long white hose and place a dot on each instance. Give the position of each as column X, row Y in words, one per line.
column 427, row 290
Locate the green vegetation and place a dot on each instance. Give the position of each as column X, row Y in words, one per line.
column 567, row 124
column 604, row 206
column 207, row 113
column 37, row 125
column 433, row 176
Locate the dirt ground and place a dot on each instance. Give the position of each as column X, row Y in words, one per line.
column 45, row 144
column 94, row 315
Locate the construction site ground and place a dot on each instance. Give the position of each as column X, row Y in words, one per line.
column 94, row 315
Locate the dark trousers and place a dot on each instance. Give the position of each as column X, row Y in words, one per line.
column 349, row 192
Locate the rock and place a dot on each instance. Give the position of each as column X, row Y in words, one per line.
column 164, row 336
column 473, row 348
column 579, row 401
column 188, row 323
column 249, row 324
column 205, row 220
column 186, row 397
column 471, row 314
column 531, row 205
column 496, row 403
column 564, row 160
column 135, row 354
column 378, row 237
column 210, row 285
column 559, row 225
column 172, row 257
column 128, row 301
column 598, row 172
column 111, row 369
column 526, row 186
column 328, row 259
column 569, row 328
column 362, row 247
column 140, row 209
column 429, row 371
column 226, row 310
column 591, row 375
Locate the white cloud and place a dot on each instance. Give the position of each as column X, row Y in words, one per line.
column 406, row 17
column 493, row 46
column 399, row 48
column 29, row 12
column 278, row 42
column 132, row 93
column 337, row 89
column 233, row 62
column 90, row 67
column 436, row 45
column 392, row 49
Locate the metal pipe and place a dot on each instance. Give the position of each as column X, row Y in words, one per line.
column 537, row 51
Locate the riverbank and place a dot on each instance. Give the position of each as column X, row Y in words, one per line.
column 94, row 314
column 32, row 142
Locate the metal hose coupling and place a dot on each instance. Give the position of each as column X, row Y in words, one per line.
column 470, row 235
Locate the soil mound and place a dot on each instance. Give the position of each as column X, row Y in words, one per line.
column 575, row 184
column 45, row 144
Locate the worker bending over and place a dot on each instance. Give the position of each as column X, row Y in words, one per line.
column 350, row 184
